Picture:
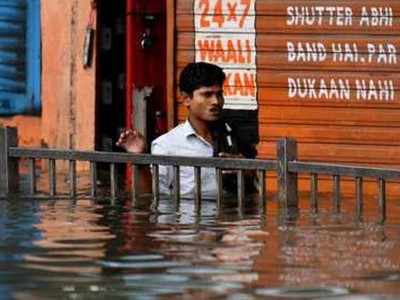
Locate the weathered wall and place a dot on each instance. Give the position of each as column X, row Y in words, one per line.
column 68, row 90
column 29, row 129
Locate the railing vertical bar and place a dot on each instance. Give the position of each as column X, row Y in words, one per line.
column 314, row 193
column 9, row 178
column 359, row 197
column 155, row 183
column 240, row 189
column 261, row 191
column 382, row 200
column 113, row 181
column 135, row 184
column 220, row 188
column 336, row 194
column 52, row 177
column 177, row 185
column 197, row 189
column 72, row 178
column 93, row 179
column 32, row 172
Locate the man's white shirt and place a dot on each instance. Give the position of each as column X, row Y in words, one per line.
column 184, row 141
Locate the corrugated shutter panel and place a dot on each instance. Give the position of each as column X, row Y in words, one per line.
column 342, row 127
column 18, row 55
column 358, row 67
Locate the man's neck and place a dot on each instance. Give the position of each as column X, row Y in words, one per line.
column 203, row 129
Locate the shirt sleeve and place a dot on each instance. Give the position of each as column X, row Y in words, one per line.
column 164, row 172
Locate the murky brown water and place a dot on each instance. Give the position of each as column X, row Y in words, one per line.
column 92, row 249
column 87, row 249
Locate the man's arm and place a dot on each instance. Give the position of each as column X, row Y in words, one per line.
column 133, row 142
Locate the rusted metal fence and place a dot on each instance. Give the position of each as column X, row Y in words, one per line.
column 10, row 155
column 287, row 168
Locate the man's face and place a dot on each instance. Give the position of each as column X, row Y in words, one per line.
column 206, row 103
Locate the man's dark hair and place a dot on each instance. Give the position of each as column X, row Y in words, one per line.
column 200, row 74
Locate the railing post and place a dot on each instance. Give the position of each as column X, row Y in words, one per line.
column 8, row 165
column 287, row 181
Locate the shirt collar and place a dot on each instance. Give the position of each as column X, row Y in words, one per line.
column 188, row 130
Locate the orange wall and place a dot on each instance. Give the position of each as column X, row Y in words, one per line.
column 29, row 129
column 68, row 90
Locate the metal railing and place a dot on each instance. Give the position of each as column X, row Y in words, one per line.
column 338, row 171
column 287, row 168
column 292, row 167
column 10, row 154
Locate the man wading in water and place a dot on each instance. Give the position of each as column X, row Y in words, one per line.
column 203, row 134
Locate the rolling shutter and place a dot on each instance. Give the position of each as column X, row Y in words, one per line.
column 327, row 73
column 19, row 57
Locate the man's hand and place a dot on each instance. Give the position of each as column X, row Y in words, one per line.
column 132, row 141
column 229, row 155
column 248, row 173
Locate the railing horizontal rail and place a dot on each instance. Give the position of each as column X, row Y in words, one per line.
column 143, row 159
column 342, row 170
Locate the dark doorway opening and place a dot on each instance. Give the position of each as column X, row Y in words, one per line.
column 140, row 27
column 111, row 72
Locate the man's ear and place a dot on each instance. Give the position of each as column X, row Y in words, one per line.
column 185, row 98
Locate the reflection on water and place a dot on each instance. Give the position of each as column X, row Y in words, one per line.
column 89, row 249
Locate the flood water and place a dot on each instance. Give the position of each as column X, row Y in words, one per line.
column 96, row 249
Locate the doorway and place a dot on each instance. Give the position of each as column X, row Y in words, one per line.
column 131, row 55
